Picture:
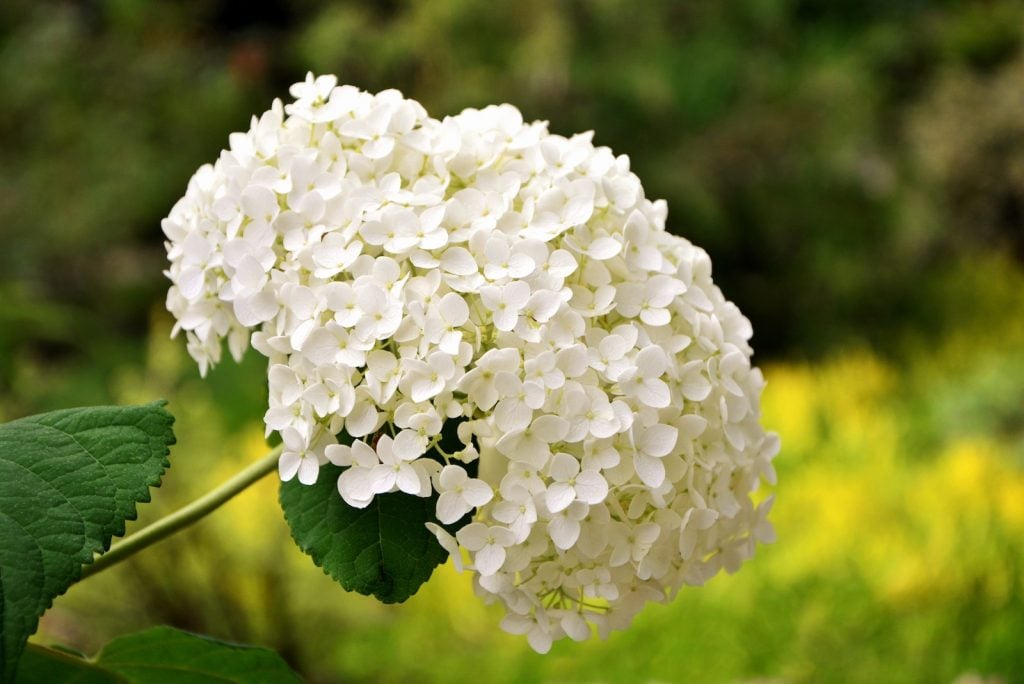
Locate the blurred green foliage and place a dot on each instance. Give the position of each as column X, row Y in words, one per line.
column 834, row 157
column 854, row 167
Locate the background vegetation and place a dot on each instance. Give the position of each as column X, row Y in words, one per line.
column 855, row 169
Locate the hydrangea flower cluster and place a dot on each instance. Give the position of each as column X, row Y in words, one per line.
column 400, row 271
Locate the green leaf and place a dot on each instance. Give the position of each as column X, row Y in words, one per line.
column 40, row 664
column 383, row 550
column 68, row 482
column 160, row 654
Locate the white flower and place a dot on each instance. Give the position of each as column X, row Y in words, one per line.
column 298, row 457
column 532, row 444
column 443, row 330
column 356, row 483
column 518, row 401
column 381, row 314
column 479, row 382
column 649, row 300
column 643, row 380
column 333, row 345
column 425, row 379
column 400, row 272
column 459, row 494
column 652, row 444
column 516, row 509
column 502, row 262
column 488, row 544
column 570, row 484
column 397, row 231
column 505, row 301
column 591, row 414
column 564, row 526
column 399, row 468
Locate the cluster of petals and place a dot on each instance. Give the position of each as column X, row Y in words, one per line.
column 400, row 272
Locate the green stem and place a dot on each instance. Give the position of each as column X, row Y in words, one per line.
column 183, row 517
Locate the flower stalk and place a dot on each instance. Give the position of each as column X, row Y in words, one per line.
column 185, row 516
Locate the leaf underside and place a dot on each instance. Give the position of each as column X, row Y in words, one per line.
column 68, row 482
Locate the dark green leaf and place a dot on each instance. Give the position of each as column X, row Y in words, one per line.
column 68, row 482
column 383, row 550
column 160, row 654
column 40, row 664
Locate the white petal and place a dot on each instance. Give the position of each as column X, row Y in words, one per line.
column 505, row 319
column 578, row 210
column 288, row 465
column 451, row 507
column 539, row 640
column 550, row 428
column 564, row 531
column 655, row 317
column 516, row 294
column 559, row 496
column 339, row 454
column 658, row 440
column 382, row 479
column 561, row 263
column 453, row 309
column 503, row 536
column 564, row 467
column 687, row 542
column 308, row 470
column 448, row 543
column 691, row 426
column 385, row 450
column 651, row 362
column 473, row 536
column 695, row 386
column 356, row 487
column 362, row 420
column 408, row 480
column 407, row 446
column 511, row 415
column 651, row 470
column 575, row 626
column 654, row 393
column 604, row 248
column 190, row 282
column 363, row 454
column 452, row 476
column 572, row 360
column 258, row 201
column 591, row 488
column 477, row 493
column 459, row 261
column 257, row 309
column 321, row 347
column 489, row 559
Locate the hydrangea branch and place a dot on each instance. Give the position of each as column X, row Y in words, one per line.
column 183, row 517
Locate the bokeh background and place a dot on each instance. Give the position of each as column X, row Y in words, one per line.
column 855, row 169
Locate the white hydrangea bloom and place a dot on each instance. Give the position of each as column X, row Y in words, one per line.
column 399, row 271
